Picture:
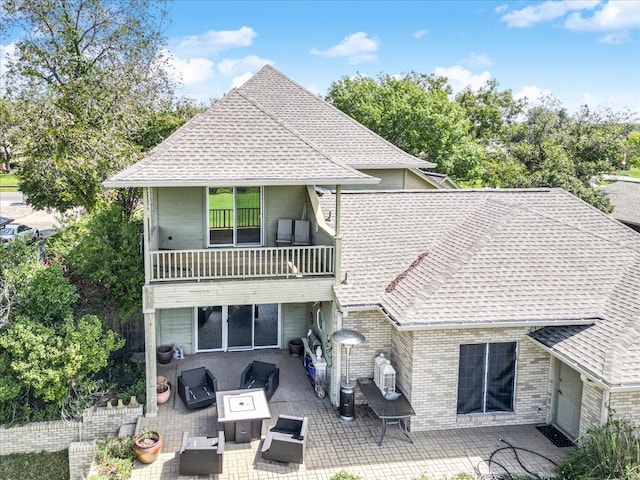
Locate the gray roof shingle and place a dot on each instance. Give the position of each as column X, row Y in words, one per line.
column 625, row 197
column 236, row 142
column 270, row 131
column 451, row 258
column 333, row 131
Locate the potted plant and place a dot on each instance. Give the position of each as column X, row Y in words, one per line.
column 147, row 445
column 164, row 354
column 163, row 390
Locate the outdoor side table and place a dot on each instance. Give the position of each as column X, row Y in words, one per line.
column 389, row 411
column 241, row 412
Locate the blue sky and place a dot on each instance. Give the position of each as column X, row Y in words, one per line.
column 579, row 51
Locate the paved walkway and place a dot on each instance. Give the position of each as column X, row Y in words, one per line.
column 332, row 444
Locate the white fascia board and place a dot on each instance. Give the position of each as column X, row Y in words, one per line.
column 240, row 183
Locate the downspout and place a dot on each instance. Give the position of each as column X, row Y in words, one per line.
column 604, row 413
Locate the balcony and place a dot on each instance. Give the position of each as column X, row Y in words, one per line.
column 241, row 263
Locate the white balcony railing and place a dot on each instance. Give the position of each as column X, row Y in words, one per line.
column 229, row 263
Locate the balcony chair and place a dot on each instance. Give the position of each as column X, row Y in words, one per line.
column 301, row 232
column 285, row 231
column 197, row 388
column 286, row 441
column 201, row 455
column 261, row 375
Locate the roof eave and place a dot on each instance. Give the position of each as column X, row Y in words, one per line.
column 239, row 183
column 588, row 374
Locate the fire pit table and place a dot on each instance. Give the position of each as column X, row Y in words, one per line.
column 241, row 412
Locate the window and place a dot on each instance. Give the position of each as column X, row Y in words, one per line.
column 235, row 215
column 486, row 377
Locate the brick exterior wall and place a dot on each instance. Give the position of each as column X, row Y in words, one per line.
column 58, row 435
column 626, row 406
column 81, row 455
column 591, row 409
column 426, row 364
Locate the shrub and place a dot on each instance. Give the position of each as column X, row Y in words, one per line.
column 344, row 475
column 610, row 451
column 114, row 459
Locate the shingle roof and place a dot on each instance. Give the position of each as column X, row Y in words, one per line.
column 236, row 142
column 269, row 131
column 335, row 132
column 625, row 197
column 447, row 258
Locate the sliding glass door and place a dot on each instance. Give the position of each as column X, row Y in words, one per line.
column 237, row 327
column 235, row 216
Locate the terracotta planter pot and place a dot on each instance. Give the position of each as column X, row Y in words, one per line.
column 147, row 447
column 164, row 354
column 163, row 393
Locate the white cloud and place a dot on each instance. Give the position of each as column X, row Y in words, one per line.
column 501, row 8
column 544, row 12
column 239, row 80
column 478, row 60
column 419, row 34
column 313, row 88
column 460, row 78
column 614, row 15
column 6, row 52
column 532, row 93
column 253, row 63
column 357, row 48
column 616, row 38
column 191, row 71
column 212, row 42
column 620, row 102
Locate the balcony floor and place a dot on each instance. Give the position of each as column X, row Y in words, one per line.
column 334, row 445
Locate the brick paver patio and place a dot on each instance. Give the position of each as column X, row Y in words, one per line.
column 332, row 444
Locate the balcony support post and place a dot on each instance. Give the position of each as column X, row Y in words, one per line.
column 150, row 350
column 338, row 238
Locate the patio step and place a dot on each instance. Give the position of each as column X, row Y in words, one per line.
column 127, row 430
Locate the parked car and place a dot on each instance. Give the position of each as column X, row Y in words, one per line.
column 12, row 231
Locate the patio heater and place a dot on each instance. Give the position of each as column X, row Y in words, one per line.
column 348, row 338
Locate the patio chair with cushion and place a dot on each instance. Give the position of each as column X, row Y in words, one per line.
column 261, row 375
column 285, row 231
column 286, row 441
column 301, row 232
column 197, row 388
column 201, row 455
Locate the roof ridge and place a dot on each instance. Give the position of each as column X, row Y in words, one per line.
column 317, row 98
column 474, row 243
column 294, row 132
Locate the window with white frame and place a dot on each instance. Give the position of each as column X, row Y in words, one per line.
column 486, row 377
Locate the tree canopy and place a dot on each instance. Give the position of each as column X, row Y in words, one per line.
column 486, row 137
column 415, row 114
column 86, row 75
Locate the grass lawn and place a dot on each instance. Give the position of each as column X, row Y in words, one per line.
column 8, row 182
column 633, row 172
column 35, row 466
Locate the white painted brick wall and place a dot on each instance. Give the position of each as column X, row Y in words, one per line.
column 591, row 410
column 626, row 406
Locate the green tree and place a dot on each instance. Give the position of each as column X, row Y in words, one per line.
column 9, row 132
column 415, row 114
column 490, row 111
column 105, row 246
column 85, row 75
column 632, row 149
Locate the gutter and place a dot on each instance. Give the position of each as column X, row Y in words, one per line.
column 240, row 183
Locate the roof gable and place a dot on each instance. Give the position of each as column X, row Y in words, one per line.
column 237, row 142
column 335, row 132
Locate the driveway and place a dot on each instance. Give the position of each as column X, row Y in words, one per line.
column 12, row 205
